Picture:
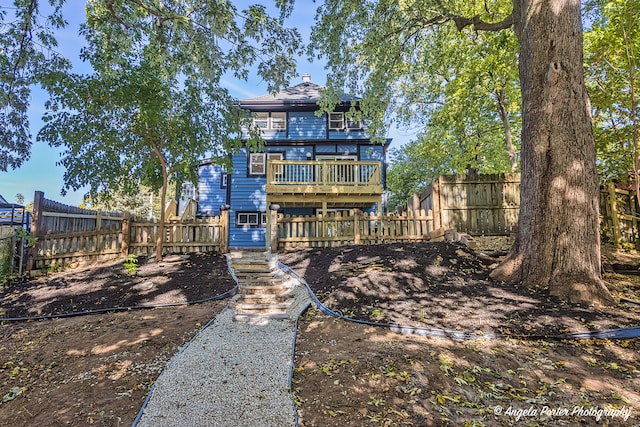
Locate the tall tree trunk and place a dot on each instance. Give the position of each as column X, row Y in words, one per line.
column 163, row 201
column 558, row 240
column 163, row 192
column 508, row 138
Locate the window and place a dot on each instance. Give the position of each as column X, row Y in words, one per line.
column 339, row 121
column 256, row 164
column 262, row 120
column 336, row 121
column 188, row 191
column 223, row 180
column 251, row 219
column 353, row 124
column 276, row 121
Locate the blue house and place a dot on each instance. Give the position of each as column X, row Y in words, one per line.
column 310, row 165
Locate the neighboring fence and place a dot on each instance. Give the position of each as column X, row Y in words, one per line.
column 490, row 204
column 620, row 229
column 354, row 228
column 67, row 235
column 7, row 253
column 475, row 204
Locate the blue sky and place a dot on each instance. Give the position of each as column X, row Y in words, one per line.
column 41, row 173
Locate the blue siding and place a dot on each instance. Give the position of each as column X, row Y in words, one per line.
column 247, row 195
column 210, row 194
column 347, row 149
column 326, row 149
column 372, row 153
column 306, row 125
column 347, row 134
column 293, row 153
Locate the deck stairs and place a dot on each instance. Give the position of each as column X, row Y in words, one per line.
column 265, row 291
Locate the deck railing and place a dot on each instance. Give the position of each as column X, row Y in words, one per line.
column 282, row 173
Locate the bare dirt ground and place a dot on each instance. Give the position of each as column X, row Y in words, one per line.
column 349, row 374
column 97, row 369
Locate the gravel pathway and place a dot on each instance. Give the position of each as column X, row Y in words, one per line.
column 233, row 374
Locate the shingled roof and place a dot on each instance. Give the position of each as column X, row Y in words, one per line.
column 302, row 93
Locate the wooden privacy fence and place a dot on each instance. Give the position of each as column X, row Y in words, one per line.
column 67, row 234
column 355, row 227
column 84, row 235
column 474, row 204
column 619, row 217
column 490, row 204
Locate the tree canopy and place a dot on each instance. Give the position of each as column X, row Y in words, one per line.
column 154, row 106
column 372, row 47
column 612, row 64
column 27, row 56
column 460, row 87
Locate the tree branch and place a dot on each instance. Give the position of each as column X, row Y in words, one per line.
column 478, row 24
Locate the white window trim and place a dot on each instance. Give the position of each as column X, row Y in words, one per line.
column 188, row 190
column 332, row 121
column 253, row 163
column 267, row 122
column 253, row 219
column 250, row 219
column 273, row 120
column 346, row 123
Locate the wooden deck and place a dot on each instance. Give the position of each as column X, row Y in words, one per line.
column 334, row 182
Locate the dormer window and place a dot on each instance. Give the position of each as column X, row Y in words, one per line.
column 339, row 121
column 274, row 121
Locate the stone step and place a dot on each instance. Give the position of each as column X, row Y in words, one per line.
column 262, row 279
column 280, row 307
column 257, row 263
column 259, row 318
column 257, row 273
column 257, row 289
column 258, row 253
column 262, row 299
column 254, row 276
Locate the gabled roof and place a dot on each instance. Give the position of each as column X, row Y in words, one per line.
column 309, row 92
column 305, row 94
column 6, row 205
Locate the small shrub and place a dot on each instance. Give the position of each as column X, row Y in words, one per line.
column 131, row 264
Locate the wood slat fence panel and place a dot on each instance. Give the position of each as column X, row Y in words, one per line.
column 620, row 229
column 353, row 228
column 200, row 235
column 125, row 236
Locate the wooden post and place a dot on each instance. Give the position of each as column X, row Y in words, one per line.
column 224, row 228
column 435, row 205
column 98, row 220
column 125, row 235
column 272, row 242
column 633, row 198
column 36, row 221
column 356, row 226
column 614, row 215
column 415, row 203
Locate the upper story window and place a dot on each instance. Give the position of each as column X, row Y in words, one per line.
column 271, row 121
column 339, row 121
column 188, row 190
column 258, row 162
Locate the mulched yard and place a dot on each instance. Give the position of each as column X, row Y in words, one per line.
column 98, row 369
